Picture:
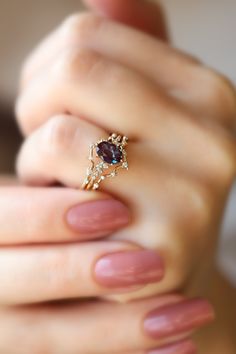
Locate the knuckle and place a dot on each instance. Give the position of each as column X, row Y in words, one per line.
column 196, row 212
column 79, row 27
column 223, row 156
column 88, row 66
column 172, row 249
column 199, row 213
column 77, row 64
column 64, row 66
column 112, row 74
column 58, row 135
column 220, row 89
column 194, row 220
column 179, row 274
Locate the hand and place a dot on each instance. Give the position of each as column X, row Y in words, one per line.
column 42, row 259
column 182, row 155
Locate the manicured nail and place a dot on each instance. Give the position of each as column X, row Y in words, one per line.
column 178, row 318
column 98, row 217
column 185, row 347
column 131, row 268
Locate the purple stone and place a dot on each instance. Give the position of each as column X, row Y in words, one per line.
column 109, row 153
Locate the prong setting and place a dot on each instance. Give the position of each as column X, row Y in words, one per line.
column 107, row 157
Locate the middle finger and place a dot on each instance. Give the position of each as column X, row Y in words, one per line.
column 87, row 84
column 198, row 87
column 66, row 271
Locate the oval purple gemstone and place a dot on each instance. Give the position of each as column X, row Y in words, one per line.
column 109, row 153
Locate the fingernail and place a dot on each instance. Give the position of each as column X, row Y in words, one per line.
column 178, row 318
column 185, row 347
column 124, row 269
column 98, row 217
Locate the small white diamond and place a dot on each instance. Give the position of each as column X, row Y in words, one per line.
column 102, row 178
column 125, row 165
column 95, row 186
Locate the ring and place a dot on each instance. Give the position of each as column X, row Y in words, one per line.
column 106, row 158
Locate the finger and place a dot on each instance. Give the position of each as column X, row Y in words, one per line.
column 94, row 79
column 65, row 136
column 30, row 215
column 91, row 31
column 81, row 77
column 145, row 16
column 198, row 87
column 126, row 102
column 75, row 270
column 69, row 328
column 58, row 151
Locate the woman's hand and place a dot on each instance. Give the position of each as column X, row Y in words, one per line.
column 178, row 114
column 42, row 259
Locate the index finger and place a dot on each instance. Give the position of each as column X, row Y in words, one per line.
column 43, row 215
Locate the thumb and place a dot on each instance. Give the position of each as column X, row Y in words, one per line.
column 146, row 16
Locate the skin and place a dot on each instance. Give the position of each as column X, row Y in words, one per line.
column 64, row 270
column 84, row 66
column 50, row 87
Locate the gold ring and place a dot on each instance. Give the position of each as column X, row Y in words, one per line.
column 106, row 158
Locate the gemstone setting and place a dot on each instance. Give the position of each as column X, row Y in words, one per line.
column 109, row 152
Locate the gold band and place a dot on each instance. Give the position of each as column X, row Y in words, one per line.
column 106, row 158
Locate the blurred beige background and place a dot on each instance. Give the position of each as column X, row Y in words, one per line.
column 206, row 28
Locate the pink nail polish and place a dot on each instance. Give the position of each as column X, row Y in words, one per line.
column 124, row 269
column 98, row 217
column 178, row 318
column 184, row 347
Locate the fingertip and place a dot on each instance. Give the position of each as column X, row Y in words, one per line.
column 146, row 16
